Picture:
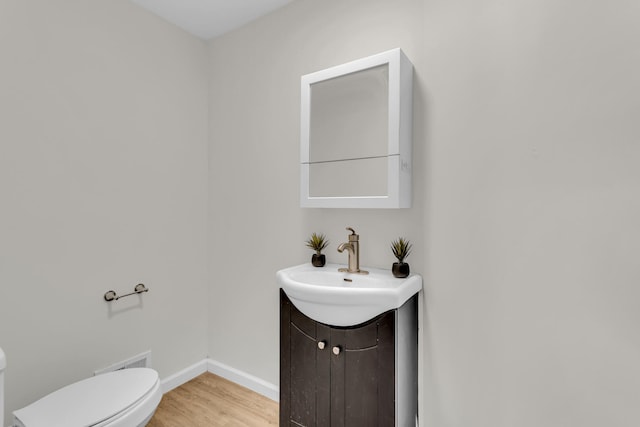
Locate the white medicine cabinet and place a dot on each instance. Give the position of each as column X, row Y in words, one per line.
column 356, row 134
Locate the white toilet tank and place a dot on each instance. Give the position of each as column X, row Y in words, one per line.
column 3, row 365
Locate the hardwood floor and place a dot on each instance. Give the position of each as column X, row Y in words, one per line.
column 212, row 401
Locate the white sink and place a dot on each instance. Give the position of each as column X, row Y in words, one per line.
column 323, row 294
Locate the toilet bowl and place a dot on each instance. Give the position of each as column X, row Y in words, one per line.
column 124, row 398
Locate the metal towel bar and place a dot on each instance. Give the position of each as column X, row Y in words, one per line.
column 111, row 295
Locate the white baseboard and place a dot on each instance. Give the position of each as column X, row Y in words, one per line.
column 256, row 384
column 237, row 376
column 183, row 376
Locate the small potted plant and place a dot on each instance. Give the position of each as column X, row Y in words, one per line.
column 318, row 242
column 401, row 249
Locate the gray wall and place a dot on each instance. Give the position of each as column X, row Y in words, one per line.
column 257, row 225
column 532, row 232
column 525, row 205
column 103, row 124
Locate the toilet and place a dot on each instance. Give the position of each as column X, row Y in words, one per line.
column 124, row 398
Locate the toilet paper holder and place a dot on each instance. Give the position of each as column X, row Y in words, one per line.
column 112, row 296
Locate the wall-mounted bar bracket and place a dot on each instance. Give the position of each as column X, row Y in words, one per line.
column 111, row 295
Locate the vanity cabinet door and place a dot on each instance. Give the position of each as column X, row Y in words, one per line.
column 338, row 377
column 298, row 367
column 363, row 374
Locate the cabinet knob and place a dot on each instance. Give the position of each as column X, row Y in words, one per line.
column 336, row 350
column 321, row 345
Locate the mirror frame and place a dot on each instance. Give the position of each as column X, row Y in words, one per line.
column 400, row 109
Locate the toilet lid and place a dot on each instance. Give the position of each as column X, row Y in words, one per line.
column 91, row 401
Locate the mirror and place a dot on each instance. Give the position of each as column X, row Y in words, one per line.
column 356, row 134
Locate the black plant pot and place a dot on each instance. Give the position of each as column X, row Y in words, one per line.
column 400, row 269
column 318, row 260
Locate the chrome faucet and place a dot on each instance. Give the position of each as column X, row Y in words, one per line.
column 353, row 249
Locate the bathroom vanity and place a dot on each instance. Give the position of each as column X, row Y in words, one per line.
column 356, row 373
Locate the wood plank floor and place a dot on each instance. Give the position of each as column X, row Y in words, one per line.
column 211, row 401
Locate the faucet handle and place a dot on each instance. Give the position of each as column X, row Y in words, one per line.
column 353, row 237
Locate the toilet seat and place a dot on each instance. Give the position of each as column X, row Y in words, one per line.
column 121, row 398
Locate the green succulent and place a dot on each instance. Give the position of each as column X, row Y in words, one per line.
column 401, row 249
column 317, row 242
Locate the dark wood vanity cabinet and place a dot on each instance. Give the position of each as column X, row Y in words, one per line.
column 347, row 376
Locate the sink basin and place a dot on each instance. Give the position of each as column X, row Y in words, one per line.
column 323, row 294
